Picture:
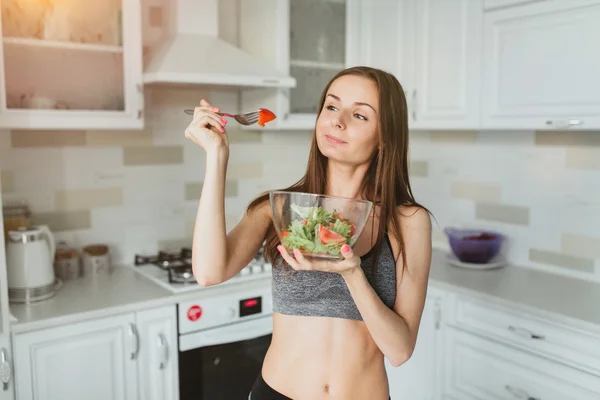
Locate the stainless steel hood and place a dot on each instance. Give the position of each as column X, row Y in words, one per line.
column 195, row 55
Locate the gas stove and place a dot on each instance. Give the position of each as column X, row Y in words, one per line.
column 173, row 269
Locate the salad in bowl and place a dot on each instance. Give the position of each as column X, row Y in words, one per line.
column 318, row 225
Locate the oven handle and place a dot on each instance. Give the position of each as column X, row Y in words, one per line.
column 227, row 334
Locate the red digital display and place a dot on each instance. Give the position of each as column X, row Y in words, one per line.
column 251, row 306
column 250, row 303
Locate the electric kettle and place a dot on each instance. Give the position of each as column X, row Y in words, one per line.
column 29, row 263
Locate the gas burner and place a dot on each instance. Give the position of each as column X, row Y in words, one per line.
column 181, row 275
column 166, row 259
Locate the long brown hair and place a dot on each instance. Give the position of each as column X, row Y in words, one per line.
column 386, row 182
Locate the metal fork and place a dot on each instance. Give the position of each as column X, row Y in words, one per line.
column 244, row 119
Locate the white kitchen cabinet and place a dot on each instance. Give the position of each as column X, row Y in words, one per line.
column 418, row 378
column 88, row 360
column 157, row 365
column 477, row 368
column 71, row 65
column 7, row 384
column 442, row 63
column 311, row 40
column 541, row 64
column 124, row 357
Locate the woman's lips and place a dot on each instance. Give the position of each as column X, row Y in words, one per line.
column 334, row 140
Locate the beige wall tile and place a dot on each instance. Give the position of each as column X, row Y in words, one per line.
column 439, row 237
column 174, row 244
column 561, row 260
column 567, row 138
column 583, row 158
column 419, row 168
column 6, row 181
column 245, row 170
column 159, row 155
column 484, row 192
column 454, row 136
column 118, row 138
column 5, row 139
column 502, row 213
column 193, row 190
column 582, row 246
column 64, row 221
column 240, row 136
column 67, row 200
column 39, row 138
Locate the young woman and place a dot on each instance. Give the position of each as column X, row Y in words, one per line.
column 332, row 347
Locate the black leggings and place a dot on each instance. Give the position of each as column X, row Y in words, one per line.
column 262, row 391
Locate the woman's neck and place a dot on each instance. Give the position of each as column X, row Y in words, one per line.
column 345, row 180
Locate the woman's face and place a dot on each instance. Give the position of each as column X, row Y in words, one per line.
column 347, row 128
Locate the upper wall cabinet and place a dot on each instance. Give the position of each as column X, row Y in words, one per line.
column 71, row 65
column 441, row 63
column 542, row 66
column 310, row 39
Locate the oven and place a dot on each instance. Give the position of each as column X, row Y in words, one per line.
column 223, row 340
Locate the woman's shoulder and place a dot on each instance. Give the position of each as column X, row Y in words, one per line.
column 411, row 218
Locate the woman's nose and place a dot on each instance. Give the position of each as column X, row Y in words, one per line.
column 338, row 122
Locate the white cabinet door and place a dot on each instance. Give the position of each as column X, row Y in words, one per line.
column 442, row 63
column 481, row 369
column 7, row 382
column 417, row 378
column 541, row 63
column 309, row 39
column 71, row 65
column 93, row 360
column 158, row 362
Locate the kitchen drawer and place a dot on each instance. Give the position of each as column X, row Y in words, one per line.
column 481, row 369
column 551, row 339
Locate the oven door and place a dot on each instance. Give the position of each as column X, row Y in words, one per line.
column 222, row 363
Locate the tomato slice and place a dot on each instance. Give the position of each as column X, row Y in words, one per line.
column 327, row 236
column 265, row 116
column 285, row 233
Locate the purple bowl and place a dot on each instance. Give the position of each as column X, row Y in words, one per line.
column 474, row 246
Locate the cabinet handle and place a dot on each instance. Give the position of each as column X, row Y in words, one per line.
column 414, row 102
column 520, row 393
column 5, row 370
column 162, row 343
column 525, row 332
column 136, row 340
column 564, row 124
column 140, row 114
column 438, row 314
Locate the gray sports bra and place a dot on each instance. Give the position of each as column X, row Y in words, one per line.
column 325, row 294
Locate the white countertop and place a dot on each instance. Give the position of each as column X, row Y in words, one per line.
column 574, row 300
column 126, row 290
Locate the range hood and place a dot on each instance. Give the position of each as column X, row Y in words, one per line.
column 195, row 55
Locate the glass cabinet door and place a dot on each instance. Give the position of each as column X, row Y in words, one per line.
column 63, row 56
column 317, row 49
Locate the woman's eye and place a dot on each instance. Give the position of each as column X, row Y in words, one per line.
column 360, row 117
column 332, row 108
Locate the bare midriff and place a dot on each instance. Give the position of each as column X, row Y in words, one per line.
column 324, row 358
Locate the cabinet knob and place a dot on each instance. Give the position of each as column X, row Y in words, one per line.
column 562, row 124
column 5, row 370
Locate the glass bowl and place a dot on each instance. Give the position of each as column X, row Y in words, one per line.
column 318, row 225
column 474, row 246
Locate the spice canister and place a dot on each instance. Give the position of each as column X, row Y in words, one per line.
column 96, row 260
column 67, row 263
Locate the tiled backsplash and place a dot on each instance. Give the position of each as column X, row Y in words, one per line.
column 539, row 188
column 138, row 191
